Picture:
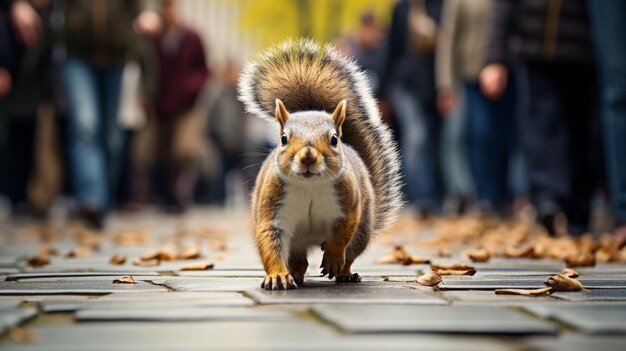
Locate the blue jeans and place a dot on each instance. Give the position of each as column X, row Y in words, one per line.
column 94, row 137
column 491, row 131
column 420, row 129
column 608, row 24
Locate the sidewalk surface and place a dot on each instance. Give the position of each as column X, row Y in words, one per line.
column 71, row 302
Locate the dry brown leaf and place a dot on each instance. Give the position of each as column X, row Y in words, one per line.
column 127, row 279
column 605, row 255
column 82, row 251
column 163, row 254
column 517, row 252
column 200, row 266
column 23, row 335
column 131, row 238
column 568, row 272
column 480, row 255
column 528, row 292
column 146, row 263
column 451, row 266
column 117, row 259
column 189, row 253
column 47, row 250
column 561, row 282
column 87, row 237
column 429, row 279
column 581, row 260
column 400, row 255
column 38, row 261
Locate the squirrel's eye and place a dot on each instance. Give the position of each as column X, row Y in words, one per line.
column 283, row 139
column 334, row 140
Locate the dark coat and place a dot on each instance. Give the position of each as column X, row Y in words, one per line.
column 539, row 30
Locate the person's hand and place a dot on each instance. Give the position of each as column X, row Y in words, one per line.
column 446, row 102
column 148, row 23
column 5, row 82
column 26, row 21
column 493, row 80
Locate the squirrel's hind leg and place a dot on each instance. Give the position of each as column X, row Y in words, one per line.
column 347, row 276
column 297, row 265
column 355, row 248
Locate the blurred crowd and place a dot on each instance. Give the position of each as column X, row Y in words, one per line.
column 498, row 106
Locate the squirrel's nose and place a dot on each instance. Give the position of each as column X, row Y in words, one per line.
column 308, row 158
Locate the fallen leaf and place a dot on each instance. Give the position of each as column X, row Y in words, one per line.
column 82, row 251
column 163, row 254
column 131, row 238
column 38, row 261
column 127, row 279
column 146, row 263
column 561, row 282
column 528, row 292
column 570, row 273
column 47, row 250
column 517, row 252
column 200, row 266
column 23, row 335
column 429, row 279
column 400, row 255
column 581, row 260
column 480, row 255
column 116, row 259
column 451, row 266
column 189, row 253
column 605, row 255
column 87, row 237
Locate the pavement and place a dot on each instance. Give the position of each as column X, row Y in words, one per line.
column 67, row 299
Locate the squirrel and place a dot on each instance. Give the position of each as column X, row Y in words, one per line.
column 334, row 180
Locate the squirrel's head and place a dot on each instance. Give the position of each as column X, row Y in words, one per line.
column 310, row 143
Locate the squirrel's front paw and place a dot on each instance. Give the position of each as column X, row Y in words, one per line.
column 332, row 263
column 283, row 281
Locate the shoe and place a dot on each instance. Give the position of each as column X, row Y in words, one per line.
column 92, row 217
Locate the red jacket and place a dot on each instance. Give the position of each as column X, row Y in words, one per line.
column 182, row 73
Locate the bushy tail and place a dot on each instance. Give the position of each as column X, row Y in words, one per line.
column 308, row 76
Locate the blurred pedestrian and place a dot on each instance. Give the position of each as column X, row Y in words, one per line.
column 99, row 38
column 180, row 138
column 461, row 53
column 551, row 40
column 608, row 23
column 409, row 84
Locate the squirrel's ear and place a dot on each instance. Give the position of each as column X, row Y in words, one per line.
column 281, row 114
column 339, row 115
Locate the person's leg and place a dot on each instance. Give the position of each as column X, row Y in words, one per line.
column 110, row 83
column 21, row 139
column 579, row 102
column 544, row 140
column 608, row 23
column 86, row 157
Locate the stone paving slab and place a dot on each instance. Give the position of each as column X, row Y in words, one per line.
column 35, row 275
column 432, row 319
column 280, row 335
column 73, row 287
column 489, row 298
column 485, row 283
column 182, row 314
column 12, row 316
column 159, row 300
column 592, row 319
column 208, row 284
column 593, row 295
column 346, row 294
column 574, row 343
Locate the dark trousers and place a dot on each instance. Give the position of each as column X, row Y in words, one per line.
column 491, row 131
column 608, row 19
column 557, row 136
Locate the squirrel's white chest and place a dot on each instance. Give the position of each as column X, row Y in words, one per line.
column 308, row 213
